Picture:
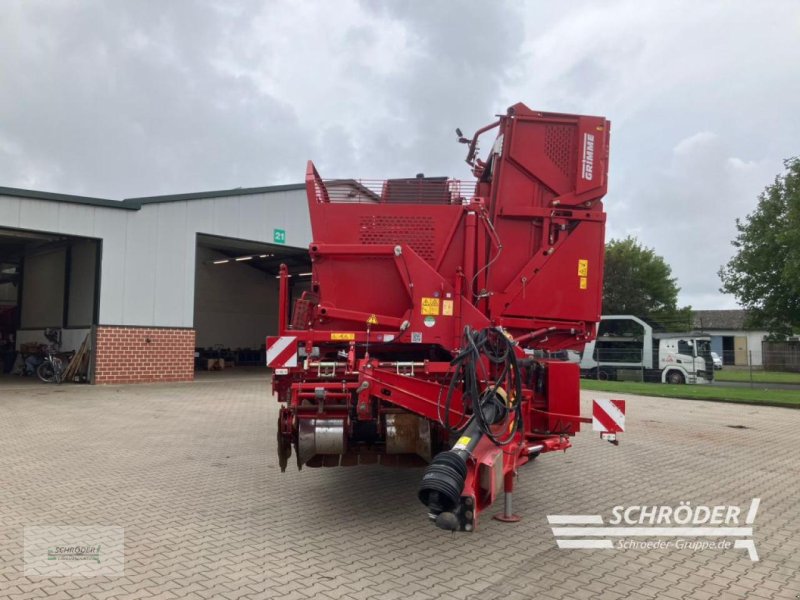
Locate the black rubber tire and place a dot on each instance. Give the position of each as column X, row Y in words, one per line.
column 46, row 372
column 675, row 378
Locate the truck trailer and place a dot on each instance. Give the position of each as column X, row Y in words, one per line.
column 431, row 301
column 627, row 348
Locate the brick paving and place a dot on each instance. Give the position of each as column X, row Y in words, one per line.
column 189, row 470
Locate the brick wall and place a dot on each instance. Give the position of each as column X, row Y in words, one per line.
column 143, row 354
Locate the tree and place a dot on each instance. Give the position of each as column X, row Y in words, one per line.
column 764, row 274
column 639, row 282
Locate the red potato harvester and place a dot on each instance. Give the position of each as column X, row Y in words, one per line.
column 434, row 310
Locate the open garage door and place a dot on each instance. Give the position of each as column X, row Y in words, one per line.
column 48, row 301
column 236, row 298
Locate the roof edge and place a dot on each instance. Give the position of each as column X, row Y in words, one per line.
column 288, row 187
column 69, row 198
column 137, row 203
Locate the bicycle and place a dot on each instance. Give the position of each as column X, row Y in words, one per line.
column 51, row 369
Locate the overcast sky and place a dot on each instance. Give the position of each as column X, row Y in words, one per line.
column 123, row 99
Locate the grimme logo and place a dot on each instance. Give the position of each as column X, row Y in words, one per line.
column 587, row 163
column 687, row 527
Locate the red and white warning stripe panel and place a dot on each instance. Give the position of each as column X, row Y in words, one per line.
column 608, row 415
column 282, row 351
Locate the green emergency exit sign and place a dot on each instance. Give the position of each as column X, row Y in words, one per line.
column 279, row 236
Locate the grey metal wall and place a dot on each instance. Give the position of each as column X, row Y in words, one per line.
column 148, row 255
column 80, row 305
column 235, row 305
column 43, row 284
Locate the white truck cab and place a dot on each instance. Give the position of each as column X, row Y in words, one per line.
column 684, row 358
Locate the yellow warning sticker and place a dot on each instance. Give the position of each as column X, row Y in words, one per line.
column 373, row 320
column 583, row 267
column 462, row 442
column 342, row 336
column 430, row 306
column 447, row 308
column 583, row 283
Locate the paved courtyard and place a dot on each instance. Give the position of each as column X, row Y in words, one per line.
column 189, row 471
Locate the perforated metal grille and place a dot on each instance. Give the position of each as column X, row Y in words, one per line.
column 560, row 146
column 417, row 232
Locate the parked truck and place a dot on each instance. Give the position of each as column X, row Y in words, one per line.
column 432, row 306
column 626, row 347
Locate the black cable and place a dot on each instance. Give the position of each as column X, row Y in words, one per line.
column 499, row 350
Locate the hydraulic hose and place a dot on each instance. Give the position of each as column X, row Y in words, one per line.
column 470, row 369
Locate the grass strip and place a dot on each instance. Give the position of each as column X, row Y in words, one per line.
column 761, row 397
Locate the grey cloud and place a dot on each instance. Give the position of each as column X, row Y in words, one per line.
column 687, row 210
column 121, row 100
column 460, row 52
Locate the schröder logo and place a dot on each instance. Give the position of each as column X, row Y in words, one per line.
column 74, row 551
column 85, row 552
column 689, row 528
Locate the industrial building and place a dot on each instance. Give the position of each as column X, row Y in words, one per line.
column 149, row 285
column 731, row 338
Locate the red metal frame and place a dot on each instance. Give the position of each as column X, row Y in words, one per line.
column 400, row 269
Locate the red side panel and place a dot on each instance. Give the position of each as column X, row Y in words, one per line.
column 564, row 397
column 547, row 187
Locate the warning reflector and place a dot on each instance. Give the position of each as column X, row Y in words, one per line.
column 281, row 351
column 608, row 416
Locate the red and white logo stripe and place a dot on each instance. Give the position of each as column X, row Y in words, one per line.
column 282, row 351
column 608, row 415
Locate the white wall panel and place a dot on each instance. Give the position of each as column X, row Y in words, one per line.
column 255, row 219
column 40, row 215
column 111, row 226
column 291, row 210
column 170, row 265
column 200, row 215
column 141, row 254
column 75, row 219
column 9, row 211
column 226, row 217
column 199, row 218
